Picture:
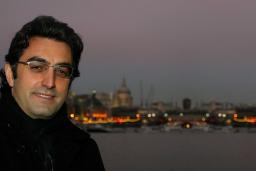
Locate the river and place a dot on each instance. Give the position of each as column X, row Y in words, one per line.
column 178, row 150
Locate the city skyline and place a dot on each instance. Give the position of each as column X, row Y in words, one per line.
column 202, row 50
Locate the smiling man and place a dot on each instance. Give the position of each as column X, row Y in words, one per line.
column 35, row 133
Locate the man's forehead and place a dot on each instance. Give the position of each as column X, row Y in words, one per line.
column 47, row 49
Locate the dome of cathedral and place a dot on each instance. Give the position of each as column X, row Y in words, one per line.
column 124, row 88
column 122, row 97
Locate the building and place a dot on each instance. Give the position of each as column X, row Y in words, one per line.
column 105, row 99
column 186, row 103
column 122, row 97
column 85, row 108
column 160, row 106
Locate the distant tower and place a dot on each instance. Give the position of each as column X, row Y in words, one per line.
column 150, row 97
column 141, row 94
column 122, row 97
column 186, row 104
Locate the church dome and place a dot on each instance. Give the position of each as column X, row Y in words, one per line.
column 123, row 89
column 122, row 97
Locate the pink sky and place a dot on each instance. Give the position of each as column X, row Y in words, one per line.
column 201, row 49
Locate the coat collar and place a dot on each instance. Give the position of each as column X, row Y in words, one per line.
column 13, row 117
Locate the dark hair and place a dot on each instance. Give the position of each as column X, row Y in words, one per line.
column 49, row 27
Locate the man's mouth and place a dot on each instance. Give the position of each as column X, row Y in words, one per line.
column 46, row 96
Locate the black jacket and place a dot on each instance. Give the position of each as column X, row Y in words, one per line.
column 43, row 145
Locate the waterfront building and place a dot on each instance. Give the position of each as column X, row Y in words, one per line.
column 105, row 99
column 186, row 103
column 84, row 108
column 160, row 106
column 217, row 106
column 122, row 97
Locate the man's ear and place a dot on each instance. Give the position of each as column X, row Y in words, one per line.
column 9, row 74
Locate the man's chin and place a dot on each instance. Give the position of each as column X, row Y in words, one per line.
column 42, row 113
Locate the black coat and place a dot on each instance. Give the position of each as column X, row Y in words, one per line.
column 44, row 145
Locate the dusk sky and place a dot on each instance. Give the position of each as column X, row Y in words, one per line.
column 201, row 49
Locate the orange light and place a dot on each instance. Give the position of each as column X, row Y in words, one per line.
column 251, row 120
column 85, row 119
column 228, row 122
column 235, row 115
column 99, row 115
column 72, row 115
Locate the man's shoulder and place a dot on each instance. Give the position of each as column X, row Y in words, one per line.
column 70, row 130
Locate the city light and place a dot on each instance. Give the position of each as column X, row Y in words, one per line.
column 72, row 115
column 154, row 114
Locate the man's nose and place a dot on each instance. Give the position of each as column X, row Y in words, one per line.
column 49, row 78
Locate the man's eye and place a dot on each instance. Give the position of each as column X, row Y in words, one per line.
column 37, row 67
column 62, row 71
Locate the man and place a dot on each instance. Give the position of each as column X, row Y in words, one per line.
column 35, row 133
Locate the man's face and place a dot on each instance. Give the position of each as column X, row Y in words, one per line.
column 41, row 95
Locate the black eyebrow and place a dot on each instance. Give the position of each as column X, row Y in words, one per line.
column 37, row 58
column 40, row 59
column 65, row 64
